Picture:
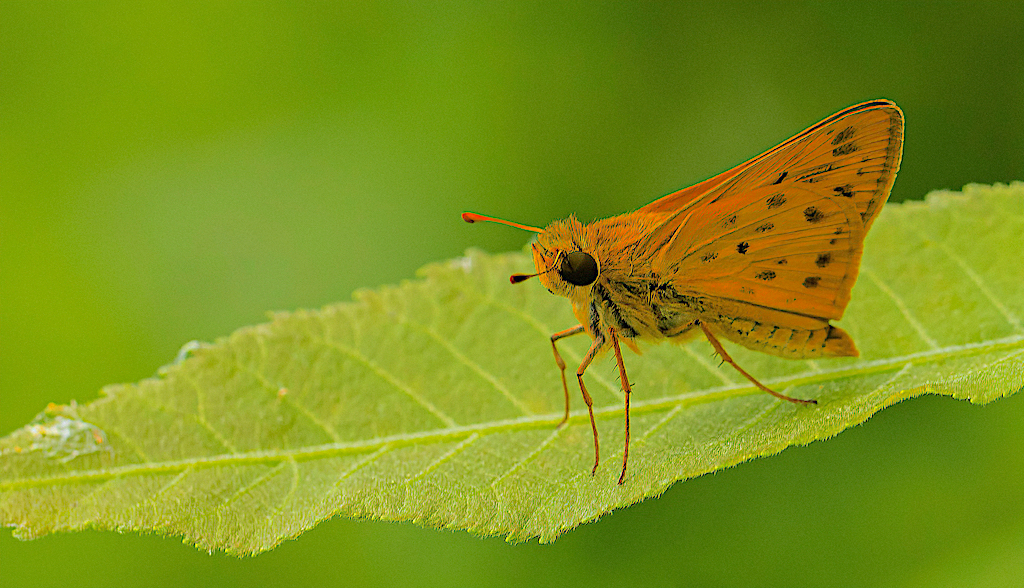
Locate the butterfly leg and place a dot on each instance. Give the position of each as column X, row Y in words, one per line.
column 561, row 364
column 599, row 342
column 627, row 389
column 725, row 357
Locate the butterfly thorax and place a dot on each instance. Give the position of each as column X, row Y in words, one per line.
column 628, row 293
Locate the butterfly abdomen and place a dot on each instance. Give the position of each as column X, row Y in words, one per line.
column 828, row 341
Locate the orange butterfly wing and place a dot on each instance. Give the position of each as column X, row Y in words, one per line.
column 878, row 111
column 674, row 201
column 779, row 237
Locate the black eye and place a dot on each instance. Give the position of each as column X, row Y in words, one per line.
column 578, row 268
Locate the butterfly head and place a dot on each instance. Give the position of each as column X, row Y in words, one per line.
column 558, row 254
column 564, row 266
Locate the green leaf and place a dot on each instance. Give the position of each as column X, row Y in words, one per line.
column 436, row 401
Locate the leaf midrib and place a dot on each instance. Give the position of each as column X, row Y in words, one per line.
column 521, row 423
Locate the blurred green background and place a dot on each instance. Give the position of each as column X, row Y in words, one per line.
column 171, row 171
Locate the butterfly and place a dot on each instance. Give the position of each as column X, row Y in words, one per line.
column 763, row 255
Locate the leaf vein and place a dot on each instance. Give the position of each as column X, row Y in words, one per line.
column 715, row 370
column 391, row 379
column 662, row 422
column 544, row 330
column 174, row 482
column 813, row 364
column 976, row 279
column 110, row 429
column 472, row 365
column 363, row 462
column 200, row 415
column 772, row 405
column 259, row 480
column 529, row 457
column 890, row 380
column 901, row 305
column 267, row 385
column 296, row 477
column 447, row 456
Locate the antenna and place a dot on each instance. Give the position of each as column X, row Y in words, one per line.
column 472, row 217
column 516, row 278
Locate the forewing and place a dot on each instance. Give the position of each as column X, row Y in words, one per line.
column 854, row 154
column 786, row 231
column 676, row 200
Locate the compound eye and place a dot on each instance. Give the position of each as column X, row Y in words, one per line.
column 578, row 268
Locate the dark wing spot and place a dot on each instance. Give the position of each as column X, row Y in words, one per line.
column 823, row 259
column 843, row 135
column 832, row 241
column 809, row 175
column 845, row 149
column 781, row 177
column 766, row 275
column 776, row 200
column 811, row 282
column 709, row 256
column 838, row 231
column 782, row 261
column 729, row 221
column 813, row 215
column 845, row 191
column 764, row 228
column 742, row 247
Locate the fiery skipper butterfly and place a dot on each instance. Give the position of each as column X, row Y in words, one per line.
column 763, row 255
